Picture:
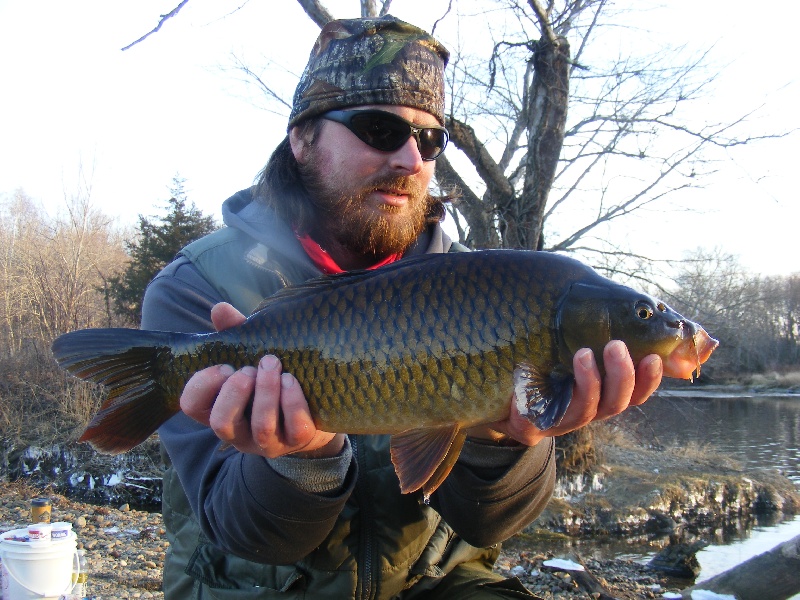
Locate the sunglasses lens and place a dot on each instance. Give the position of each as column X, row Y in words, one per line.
column 385, row 133
column 379, row 131
column 431, row 143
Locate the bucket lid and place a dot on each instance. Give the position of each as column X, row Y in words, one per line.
column 6, row 539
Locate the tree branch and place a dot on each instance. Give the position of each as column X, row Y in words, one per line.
column 544, row 22
column 163, row 19
column 440, row 19
column 265, row 87
column 475, row 211
column 316, row 12
column 637, row 200
column 369, row 8
column 465, row 139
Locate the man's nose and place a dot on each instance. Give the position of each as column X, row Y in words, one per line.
column 407, row 157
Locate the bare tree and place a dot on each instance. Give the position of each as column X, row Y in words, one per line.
column 537, row 175
column 628, row 141
column 754, row 317
column 53, row 270
column 19, row 223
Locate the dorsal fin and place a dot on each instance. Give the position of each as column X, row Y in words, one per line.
column 318, row 284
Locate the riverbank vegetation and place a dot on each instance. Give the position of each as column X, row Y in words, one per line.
column 70, row 271
column 640, row 487
column 773, row 380
column 756, row 318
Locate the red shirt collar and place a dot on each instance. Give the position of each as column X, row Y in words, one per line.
column 325, row 262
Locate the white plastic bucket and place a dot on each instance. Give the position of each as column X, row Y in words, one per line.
column 42, row 571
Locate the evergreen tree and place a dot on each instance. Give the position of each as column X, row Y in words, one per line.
column 156, row 243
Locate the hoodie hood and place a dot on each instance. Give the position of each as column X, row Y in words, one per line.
column 244, row 212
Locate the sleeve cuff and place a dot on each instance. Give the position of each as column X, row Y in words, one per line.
column 315, row 475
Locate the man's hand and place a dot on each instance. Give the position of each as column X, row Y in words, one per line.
column 593, row 398
column 256, row 410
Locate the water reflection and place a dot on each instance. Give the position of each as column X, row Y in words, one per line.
column 759, row 431
column 716, row 559
column 762, row 432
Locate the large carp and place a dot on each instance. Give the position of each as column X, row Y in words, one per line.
column 421, row 349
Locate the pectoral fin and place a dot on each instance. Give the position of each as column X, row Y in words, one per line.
column 423, row 458
column 542, row 398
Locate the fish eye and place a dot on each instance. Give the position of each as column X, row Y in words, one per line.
column 643, row 310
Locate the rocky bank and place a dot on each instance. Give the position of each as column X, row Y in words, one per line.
column 125, row 551
column 658, row 497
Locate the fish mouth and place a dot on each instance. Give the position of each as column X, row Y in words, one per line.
column 695, row 349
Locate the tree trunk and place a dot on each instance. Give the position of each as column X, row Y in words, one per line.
column 773, row 575
column 547, row 117
column 482, row 233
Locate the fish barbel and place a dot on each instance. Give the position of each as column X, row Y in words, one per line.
column 421, row 349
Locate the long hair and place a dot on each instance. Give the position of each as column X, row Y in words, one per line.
column 280, row 185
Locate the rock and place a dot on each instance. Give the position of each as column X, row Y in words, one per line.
column 678, row 560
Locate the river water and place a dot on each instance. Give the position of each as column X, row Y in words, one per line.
column 761, row 431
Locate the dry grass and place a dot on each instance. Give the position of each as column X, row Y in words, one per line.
column 704, row 454
column 40, row 404
column 774, row 380
column 613, row 433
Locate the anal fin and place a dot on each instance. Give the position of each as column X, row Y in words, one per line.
column 423, row 458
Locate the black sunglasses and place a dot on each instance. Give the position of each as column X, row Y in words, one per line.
column 386, row 131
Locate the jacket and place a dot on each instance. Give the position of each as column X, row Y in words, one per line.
column 242, row 526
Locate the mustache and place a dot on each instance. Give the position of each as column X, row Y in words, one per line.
column 398, row 183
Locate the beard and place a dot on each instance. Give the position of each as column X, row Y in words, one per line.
column 345, row 215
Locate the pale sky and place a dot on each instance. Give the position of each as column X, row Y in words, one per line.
column 74, row 105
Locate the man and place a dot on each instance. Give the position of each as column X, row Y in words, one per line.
column 284, row 510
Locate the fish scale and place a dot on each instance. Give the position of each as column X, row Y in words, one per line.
column 426, row 372
column 420, row 349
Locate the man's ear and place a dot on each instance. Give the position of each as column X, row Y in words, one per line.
column 299, row 143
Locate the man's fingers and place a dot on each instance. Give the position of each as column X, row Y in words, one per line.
column 298, row 426
column 281, row 420
column 586, row 393
column 594, row 398
column 200, row 392
column 266, row 420
column 618, row 382
column 648, row 377
column 228, row 418
column 225, row 316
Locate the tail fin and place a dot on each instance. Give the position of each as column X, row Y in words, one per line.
column 126, row 361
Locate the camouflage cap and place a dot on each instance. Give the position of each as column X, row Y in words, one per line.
column 371, row 61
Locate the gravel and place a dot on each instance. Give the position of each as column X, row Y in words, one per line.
column 125, row 548
column 125, row 551
column 601, row 578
